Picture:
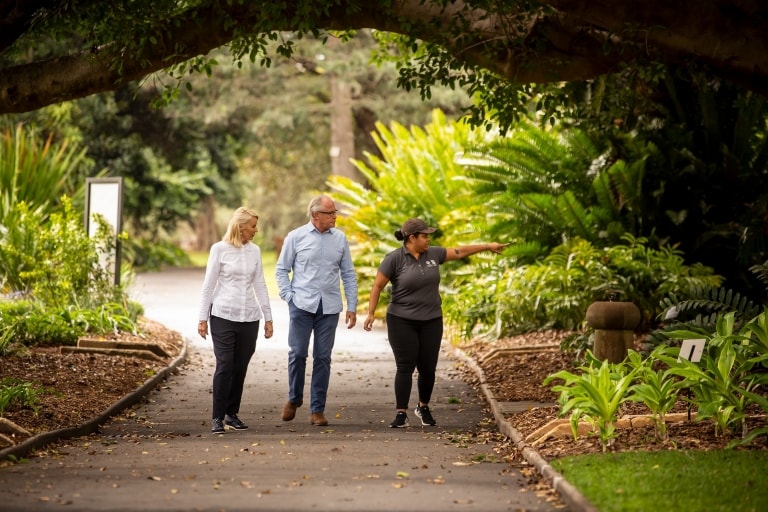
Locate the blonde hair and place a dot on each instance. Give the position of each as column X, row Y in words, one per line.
column 240, row 217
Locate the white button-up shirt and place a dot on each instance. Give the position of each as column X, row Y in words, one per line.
column 234, row 287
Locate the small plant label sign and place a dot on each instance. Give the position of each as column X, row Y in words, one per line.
column 692, row 350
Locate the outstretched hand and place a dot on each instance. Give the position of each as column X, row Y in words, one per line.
column 496, row 247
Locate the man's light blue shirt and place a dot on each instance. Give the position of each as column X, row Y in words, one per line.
column 318, row 262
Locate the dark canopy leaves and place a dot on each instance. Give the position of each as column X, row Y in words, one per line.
column 55, row 50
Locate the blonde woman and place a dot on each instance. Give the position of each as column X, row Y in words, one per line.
column 234, row 301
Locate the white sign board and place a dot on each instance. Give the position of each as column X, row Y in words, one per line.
column 691, row 350
column 104, row 196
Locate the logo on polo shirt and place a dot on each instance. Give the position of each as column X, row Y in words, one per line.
column 431, row 263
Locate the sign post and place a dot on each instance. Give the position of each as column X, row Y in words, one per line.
column 692, row 351
column 104, row 196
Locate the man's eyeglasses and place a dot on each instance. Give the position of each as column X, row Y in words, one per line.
column 332, row 214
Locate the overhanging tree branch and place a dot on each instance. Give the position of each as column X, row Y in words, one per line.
column 558, row 41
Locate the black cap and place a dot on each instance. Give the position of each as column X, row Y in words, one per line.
column 413, row 226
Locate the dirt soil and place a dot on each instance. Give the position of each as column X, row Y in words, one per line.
column 81, row 386
column 76, row 387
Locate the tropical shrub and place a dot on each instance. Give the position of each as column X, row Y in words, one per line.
column 58, row 264
column 733, row 367
column 556, row 292
column 594, row 394
column 542, row 186
column 656, row 388
column 61, row 274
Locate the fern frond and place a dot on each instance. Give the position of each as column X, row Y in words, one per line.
column 709, row 302
column 761, row 272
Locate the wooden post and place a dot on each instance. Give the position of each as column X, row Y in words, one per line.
column 614, row 324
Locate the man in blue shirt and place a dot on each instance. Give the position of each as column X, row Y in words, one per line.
column 318, row 255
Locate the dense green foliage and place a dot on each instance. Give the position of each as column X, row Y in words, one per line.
column 705, row 151
column 167, row 162
column 556, row 291
column 61, row 273
column 549, row 275
column 415, row 176
column 546, row 186
column 56, row 265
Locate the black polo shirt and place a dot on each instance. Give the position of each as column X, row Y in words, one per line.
column 415, row 283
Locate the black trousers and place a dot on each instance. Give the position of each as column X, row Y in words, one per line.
column 233, row 345
column 416, row 346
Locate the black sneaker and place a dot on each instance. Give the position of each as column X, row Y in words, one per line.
column 401, row 420
column 231, row 420
column 217, row 426
column 425, row 415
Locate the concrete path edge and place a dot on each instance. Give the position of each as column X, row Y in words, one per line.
column 573, row 498
column 41, row 440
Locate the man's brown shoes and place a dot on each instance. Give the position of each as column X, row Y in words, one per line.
column 289, row 410
column 317, row 419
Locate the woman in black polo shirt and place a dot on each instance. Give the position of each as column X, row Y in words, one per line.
column 414, row 314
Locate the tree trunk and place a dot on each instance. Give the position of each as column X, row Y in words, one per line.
column 342, row 126
column 205, row 225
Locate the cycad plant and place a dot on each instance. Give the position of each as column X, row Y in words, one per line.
column 547, row 185
column 701, row 306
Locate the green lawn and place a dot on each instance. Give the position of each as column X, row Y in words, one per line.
column 712, row 481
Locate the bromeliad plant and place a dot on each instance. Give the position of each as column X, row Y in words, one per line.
column 595, row 395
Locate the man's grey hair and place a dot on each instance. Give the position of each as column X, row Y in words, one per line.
column 316, row 205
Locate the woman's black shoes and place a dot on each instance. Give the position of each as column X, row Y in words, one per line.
column 231, row 420
column 217, row 426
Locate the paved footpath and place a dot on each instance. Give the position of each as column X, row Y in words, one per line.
column 161, row 455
